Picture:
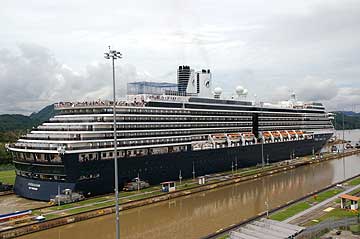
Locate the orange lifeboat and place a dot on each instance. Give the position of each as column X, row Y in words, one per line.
column 300, row 133
column 284, row 134
column 248, row 136
column 219, row 138
column 275, row 134
column 292, row 134
column 266, row 135
column 235, row 137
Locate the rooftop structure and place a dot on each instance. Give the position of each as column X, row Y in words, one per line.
column 146, row 87
column 266, row 228
column 354, row 201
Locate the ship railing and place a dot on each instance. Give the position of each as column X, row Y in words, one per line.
column 95, row 145
column 87, row 104
column 70, row 138
column 17, row 146
column 266, row 137
column 172, row 98
column 40, row 163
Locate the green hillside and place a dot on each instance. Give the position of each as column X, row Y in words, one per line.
column 15, row 122
column 18, row 122
column 13, row 126
column 351, row 120
column 43, row 115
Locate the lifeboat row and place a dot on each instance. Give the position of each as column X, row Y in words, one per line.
column 283, row 135
column 248, row 138
column 232, row 139
column 237, row 139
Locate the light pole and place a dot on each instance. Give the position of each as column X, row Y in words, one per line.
column 232, row 168
column 113, row 55
column 267, row 208
column 180, row 177
column 343, row 131
column 236, row 165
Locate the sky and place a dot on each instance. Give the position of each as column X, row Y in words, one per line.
column 52, row 51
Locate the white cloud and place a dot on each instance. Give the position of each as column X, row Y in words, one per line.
column 268, row 47
column 33, row 78
column 315, row 89
column 347, row 99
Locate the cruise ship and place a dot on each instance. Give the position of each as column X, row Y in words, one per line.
column 162, row 128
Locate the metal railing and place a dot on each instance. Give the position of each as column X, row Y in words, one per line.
column 325, row 226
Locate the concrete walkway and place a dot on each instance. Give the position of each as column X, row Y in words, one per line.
column 320, row 204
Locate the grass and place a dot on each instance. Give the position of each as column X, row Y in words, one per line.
column 354, row 182
column 85, row 209
column 301, row 206
column 325, row 195
column 7, row 176
column 290, row 211
column 355, row 192
column 335, row 214
column 355, row 229
column 51, row 216
column 142, row 196
column 338, row 213
column 8, row 166
column 76, row 210
column 224, row 237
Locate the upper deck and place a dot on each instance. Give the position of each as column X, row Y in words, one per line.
column 186, row 102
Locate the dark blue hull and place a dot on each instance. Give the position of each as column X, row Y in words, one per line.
column 162, row 167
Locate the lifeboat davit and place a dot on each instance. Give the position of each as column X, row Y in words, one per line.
column 300, row 134
column 284, row 134
column 266, row 135
column 249, row 138
column 292, row 134
column 276, row 134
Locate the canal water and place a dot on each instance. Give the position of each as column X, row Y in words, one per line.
column 203, row 213
column 349, row 135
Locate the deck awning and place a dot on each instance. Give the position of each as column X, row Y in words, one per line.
column 349, row 197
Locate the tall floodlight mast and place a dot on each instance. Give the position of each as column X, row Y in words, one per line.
column 113, row 55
